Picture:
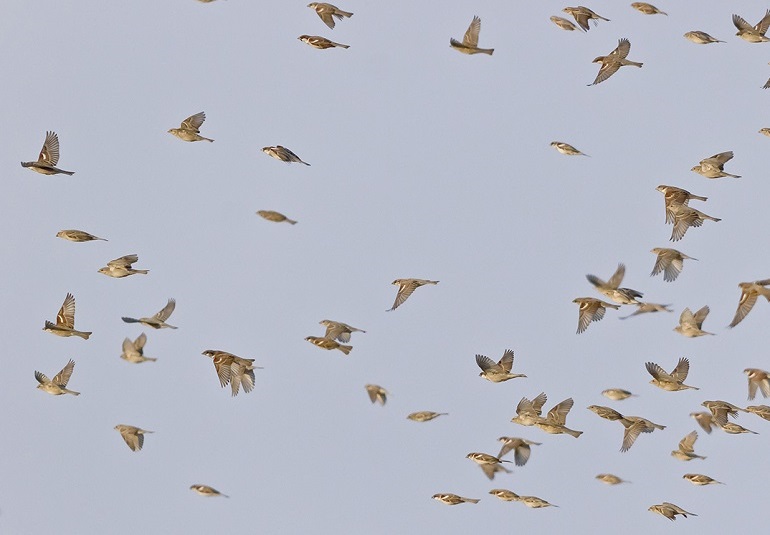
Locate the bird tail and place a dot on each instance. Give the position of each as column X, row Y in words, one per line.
column 346, row 349
column 141, row 271
column 341, row 14
column 572, row 432
column 291, row 221
column 70, row 392
column 70, row 173
column 83, row 335
column 130, row 320
column 471, row 500
column 207, row 139
column 343, row 46
column 732, row 176
column 487, row 51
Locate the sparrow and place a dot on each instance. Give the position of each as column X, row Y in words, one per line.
column 275, row 217
column 765, row 131
column 528, row 412
column 453, row 499
column 499, row 372
column 328, row 344
column 634, row 426
column 611, row 479
column 233, row 369
column 720, row 410
column 336, row 330
column 735, row 429
column 690, row 324
column 669, row 510
column 749, row 293
column 566, row 148
column 533, row 502
column 484, row 459
column 121, row 267
column 672, row 382
column 77, row 236
column 327, row 12
column 425, row 416
column 686, row 217
column 590, row 310
column 713, row 166
column 701, row 38
column 65, row 321
column 505, row 495
column 48, row 158
column 705, row 420
column 134, row 351
column 617, row 394
column 470, row 44
column 685, row 452
column 623, row 296
column 133, row 436
column 614, row 61
column 763, row 411
column 377, row 394
column 321, row 43
column 158, row 321
column 520, row 448
column 605, row 412
column 674, row 198
column 205, row 490
column 582, row 15
column 58, row 385
column 405, row 289
column 752, row 34
column 643, row 308
column 700, row 480
column 563, row 23
column 282, row 153
column 189, row 129
column 647, row 9
column 555, row 422
column 670, row 262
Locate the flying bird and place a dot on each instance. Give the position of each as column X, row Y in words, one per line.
column 752, row 34
column 328, row 12
column 563, row 23
column 622, row 296
column 758, row 379
column 275, row 217
column 720, row 410
column 611, row 479
column 645, row 308
column 714, row 166
column 614, row 61
column 590, row 309
column 528, row 411
column 77, row 236
column 133, row 436
column 425, row 416
column 566, row 148
column 700, row 480
column 686, row 217
column 690, row 324
column 65, row 321
column 158, row 321
column 500, row 371
column 617, row 394
column 205, row 490
column 328, row 344
column 233, row 369
column 582, row 15
column 58, row 385
column 321, row 43
column 674, row 197
column 669, row 510
column 673, row 381
column 705, row 420
column 647, row 9
column 555, row 422
column 470, row 44
column 134, row 351
column 336, row 330
column 405, row 289
column 670, row 262
column 282, row 153
column 453, row 499
column 189, row 130
column 377, row 394
column 519, row 446
column 48, row 158
column 701, row 38
column 122, row 267
column 686, row 451
column 749, row 293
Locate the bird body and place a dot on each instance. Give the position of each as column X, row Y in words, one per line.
column 690, row 324
column 405, row 288
column 612, row 62
column 563, row 23
column 647, row 9
column 321, row 43
column 328, row 344
column 65, row 321
column 48, row 158
column 58, row 385
column 189, row 130
column 122, row 267
column 453, row 499
column 425, row 416
column 132, row 436
column 566, row 148
column 77, row 235
column 701, row 38
column 328, row 12
column 470, row 44
column 275, row 217
column 158, row 321
column 611, row 479
column 280, row 152
column 205, row 490
column 134, row 351
column 700, row 479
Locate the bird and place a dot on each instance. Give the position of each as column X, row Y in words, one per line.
column 714, row 166
column 556, row 420
column 48, row 158
column 720, row 410
column 566, row 148
column 533, row 502
column 622, row 296
column 763, row 411
column 453, row 499
column 563, row 23
column 425, row 416
column 189, row 130
column 205, row 490
column 505, row 495
column 735, row 429
column 77, row 236
column 611, row 479
column 590, row 309
column 328, row 344
column 470, row 44
column 158, row 321
column 670, row 262
column 700, row 480
column 282, row 153
column 614, row 61
column 686, row 217
column 674, row 197
column 485, row 459
column 500, row 371
column 328, row 12
column 582, row 15
column 133, row 436
column 705, row 420
column 528, row 412
column 758, row 379
column 377, row 394
column 617, row 394
column 634, row 426
column 134, row 351
column 321, row 43
column 686, row 452
column 674, row 381
column 233, row 369
column 647, row 9
column 275, row 217
column 764, row 131
column 58, row 385
column 606, row 412
column 405, row 289
column 65, row 321
column 752, row 34
column 749, row 293
column 519, row 446
column 669, row 510
column 336, row 330
column 701, row 38
column 690, row 324
column 644, row 308
column 122, row 267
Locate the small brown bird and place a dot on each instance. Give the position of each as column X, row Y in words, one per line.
column 321, row 43
column 425, row 416
column 520, row 447
column 205, row 490
column 686, row 451
column 133, row 436
column 275, row 217
column 77, row 236
column 566, row 148
column 470, row 44
column 644, row 308
column 700, row 480
column 189, row 129
column 484, row 458
column 701, row 38
column 611, row 479
column 686, row 217
column 453, row 499
column 233, row 369
column 282, row 153
column 121, row 267
column 563, row 23
column 622, row 296
column 705, row 420
column 505, row 495
column 590, row 310
column 690, row 324
column 670, row 262
column 647, row 9
column 582, row 15
column 749, row 293
column 669, row 510
column 735, row 429
column 605, row 412
column 752, row 34
column 158, row 321
column 48, row 158
column 134, row 351
column 65, row 321
column 528, row 412
column 674, row 197
column 612, row 62
column 405, row 288
column 555, row 422
column 58, row 385
column 674, row 381
column 500, row 371
column 328, row 344
column 714, row 166
column 636, row 425
column 336, row 330
column 328, row 12
column 377, row 394
column 720, row 410
column 617, row 394
column 763, row 411
column 533, row 502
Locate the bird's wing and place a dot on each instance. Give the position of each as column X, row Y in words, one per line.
column 63, row 377
column 558, row 414
column 700, row 316
column 41, row 378
column 405, row 289
column 607, row 69
column 194, row 122
column 679, row 373
column 166, row 311
column 657, row 372
column 124, row 261
column 49, row 154
column 740, row 23
column 687, row 443
column 506, row 362
column 66, row 315
column 622, row 50
column 521, row 454
column 748, row 299
column 139, row 343
column 763, row 24
column 471, row 37
column 486, row 363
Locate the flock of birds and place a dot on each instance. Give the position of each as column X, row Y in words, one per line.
column 238, row 372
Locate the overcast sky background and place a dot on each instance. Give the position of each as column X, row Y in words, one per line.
column 425, row 163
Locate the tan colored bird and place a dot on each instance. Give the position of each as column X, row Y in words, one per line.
column 566, row 148
column 555, row 422
column 763, row 411
column 622, row 296
column 133, row 436
column 205, row 490
column 453, row 499
column 735, row 429
column 701, row 38
column 275, row 217
column 122, row 267
column 764, row 131
column 634, row 426
column 158, row 321
column 590, row 310
column 563, row 23
column 65, row 321
column 749, row 293
column 700, row 480
column 528, row 412
column 674, row 381
column 686, row 451
column 405, row 288
column 720, row 410
column 647, row 9
column 77, row 236
column 645, row 308
column 470, row 44
column 336, row 330
column 425, row 416
column 189, row 130
column 533, row 502
column 670, row 262
column 669, row 510
column 674, row 197
column 607, row 413
column 582, row 15
column 690, row 324
column 48, row 158
column 484, row 459
column 705, row 420
column 321, row 43
column 377, row 394
column 617, row 394
column 328, row 12
column 328, row 344
column 234, row 370
column 714, row 166
column 134, row 351
column 686, row 217
column 58, row 385
column 282, row 153
column 500, row 371
column 612, row 62
column 505, row 495
column 611, row 479
column 752, row 34
column 758, row 379
column 519, row 446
